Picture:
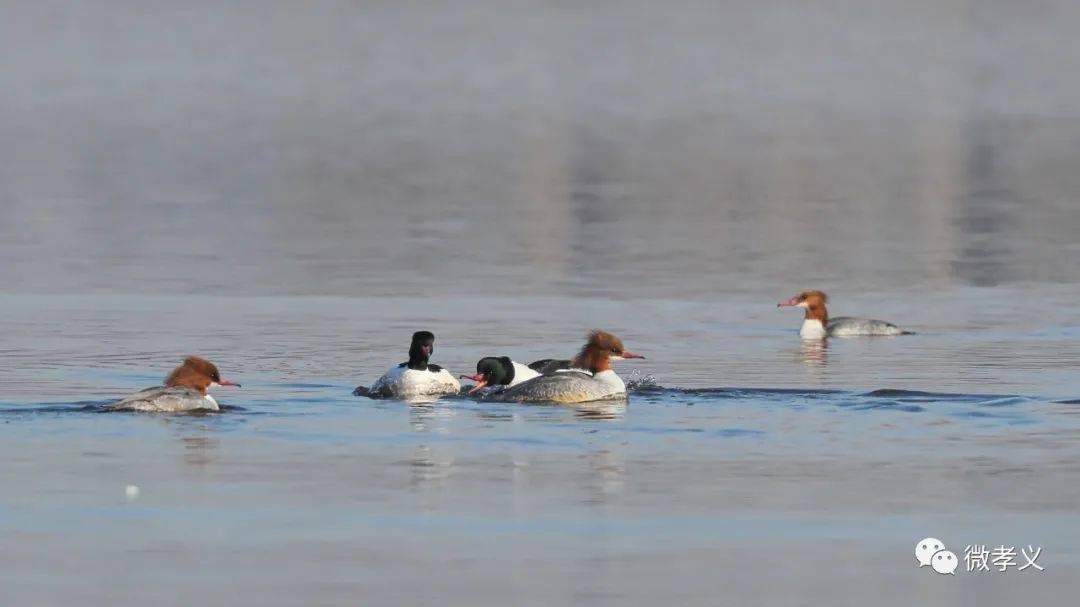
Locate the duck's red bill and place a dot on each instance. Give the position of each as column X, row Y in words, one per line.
column 480, row 385
column 632, row 355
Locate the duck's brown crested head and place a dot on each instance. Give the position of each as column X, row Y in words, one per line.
column 197, row 373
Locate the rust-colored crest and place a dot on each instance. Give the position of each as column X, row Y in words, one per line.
column 196, row 372
column 598, row 350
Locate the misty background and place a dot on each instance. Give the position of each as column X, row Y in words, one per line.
column 619, row 149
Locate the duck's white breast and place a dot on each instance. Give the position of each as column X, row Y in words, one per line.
column 812, row 329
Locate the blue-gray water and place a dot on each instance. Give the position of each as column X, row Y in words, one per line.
column 291, row 191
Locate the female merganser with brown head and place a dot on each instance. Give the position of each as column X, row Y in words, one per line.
column 590, row 378
column 818, row 325
column 499, row 371
column 185, row 389
column 415, row 378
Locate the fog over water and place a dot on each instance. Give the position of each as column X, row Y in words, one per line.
column 625, row 150
column 291, row 189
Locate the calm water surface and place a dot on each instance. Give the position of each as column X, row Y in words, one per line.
column 293, row 195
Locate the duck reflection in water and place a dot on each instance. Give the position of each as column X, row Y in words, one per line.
column 431, row 419
column 429, row 467
column 814, row 353
column 600, row 410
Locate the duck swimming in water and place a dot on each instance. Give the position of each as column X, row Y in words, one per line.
column 818, row 325
column 590, row 378
column 500, row 372
column 185, row 389
column 415, row 378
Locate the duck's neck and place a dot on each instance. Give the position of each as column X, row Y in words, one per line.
column 593, row 359
column 418, row 361
column 817, row 312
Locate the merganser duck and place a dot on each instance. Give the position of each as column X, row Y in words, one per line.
column 414, row 379
column 817, row 325
column 500, row 371
column 590, row 378
column 184, row 390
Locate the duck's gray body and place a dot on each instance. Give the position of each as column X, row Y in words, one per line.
column 849, row 326
column 166, row 400
column 564, row 387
